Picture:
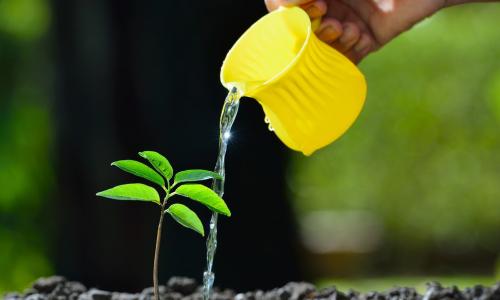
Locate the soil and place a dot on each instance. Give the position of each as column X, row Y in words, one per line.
column 180, row 288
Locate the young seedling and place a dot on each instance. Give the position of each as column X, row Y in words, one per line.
column 162, row 176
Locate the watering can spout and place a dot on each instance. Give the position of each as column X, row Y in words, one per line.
column 311, row 94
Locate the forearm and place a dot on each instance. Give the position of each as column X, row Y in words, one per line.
column 456, row 2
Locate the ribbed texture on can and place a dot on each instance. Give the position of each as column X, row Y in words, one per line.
column 317, row 100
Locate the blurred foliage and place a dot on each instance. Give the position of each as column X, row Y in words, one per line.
column 423, row 157
column 25, row 139
column 24, row 19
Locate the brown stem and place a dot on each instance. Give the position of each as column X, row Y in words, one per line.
column 157, row 254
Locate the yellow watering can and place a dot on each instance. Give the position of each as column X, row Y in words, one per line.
column 311, row 94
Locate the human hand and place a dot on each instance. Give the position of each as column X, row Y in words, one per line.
column 359, row 27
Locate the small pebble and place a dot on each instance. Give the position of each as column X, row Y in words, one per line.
column 48, row 284
column 12, row 296
column 36, row 297
column 183, row 285
column 150, row 290
column 75, row 287
column 95, row 294
column 125, row 296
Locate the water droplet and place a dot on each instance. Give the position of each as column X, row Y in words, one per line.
column 270, row 127
column 227, row 135
column 266, row 120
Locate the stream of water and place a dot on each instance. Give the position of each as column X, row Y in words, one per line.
column 228, row 115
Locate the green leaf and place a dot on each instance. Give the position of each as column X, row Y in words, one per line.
column 139, row 169
column 205, row 196
column 132, row 191
column 186, row 217
column 195, row 175
column 159, row 162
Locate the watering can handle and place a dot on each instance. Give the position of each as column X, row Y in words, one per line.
column 314, row 23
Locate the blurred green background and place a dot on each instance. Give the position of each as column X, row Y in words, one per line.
column 26, row 135
column 412, row 191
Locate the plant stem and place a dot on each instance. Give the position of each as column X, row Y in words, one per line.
column 157, row 247
column 157, row 254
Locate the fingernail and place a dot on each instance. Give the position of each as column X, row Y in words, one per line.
column 363, row 44
column 346, row 34
column 329, row 31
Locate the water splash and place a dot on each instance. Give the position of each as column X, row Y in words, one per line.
column 268, row 122
column 228, row 115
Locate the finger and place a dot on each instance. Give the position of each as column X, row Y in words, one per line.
column 348, row 38
column 315, row 9
column 361, row 49
column 364, row 44
column 329, row 30
column 274, row 4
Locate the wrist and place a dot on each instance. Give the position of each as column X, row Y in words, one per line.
column 448, row 3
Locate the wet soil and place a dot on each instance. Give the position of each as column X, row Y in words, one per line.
column 180, row 288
